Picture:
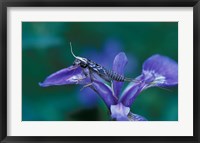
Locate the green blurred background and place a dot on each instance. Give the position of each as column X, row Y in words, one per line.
column 45, row 50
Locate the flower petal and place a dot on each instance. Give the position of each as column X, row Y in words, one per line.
column 135, row 117
column 157, row 71
column 119, row 112
column 163, row 69
column 119, row 64
column 70, row 75
column 131, row 92
column 105, row 92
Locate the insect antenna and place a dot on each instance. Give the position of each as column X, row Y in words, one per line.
column 72, row 50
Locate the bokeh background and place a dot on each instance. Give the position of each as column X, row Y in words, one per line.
column 45, row 50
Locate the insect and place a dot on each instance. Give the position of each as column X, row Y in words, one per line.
column 90, row 67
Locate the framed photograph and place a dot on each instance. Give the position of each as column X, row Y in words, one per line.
column 99, row 71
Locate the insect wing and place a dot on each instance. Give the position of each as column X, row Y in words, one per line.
column 99, row 70
column 103, row 74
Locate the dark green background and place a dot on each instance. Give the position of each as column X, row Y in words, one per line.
column 45, row 50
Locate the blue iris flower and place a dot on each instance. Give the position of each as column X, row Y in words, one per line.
column 110, row 49
column 157, row 71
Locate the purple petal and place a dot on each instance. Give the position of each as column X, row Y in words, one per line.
column 119, row 112
column 119, row 64
column 131, row 92
column 70, row 75
column 135, row 117
column 105, row 92
column 161, row 71
column 157, row 71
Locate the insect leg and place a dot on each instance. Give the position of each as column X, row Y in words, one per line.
column 91, row 78
column 86, row 75
column 87, row 85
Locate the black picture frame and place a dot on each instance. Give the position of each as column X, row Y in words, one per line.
column 4, row 4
